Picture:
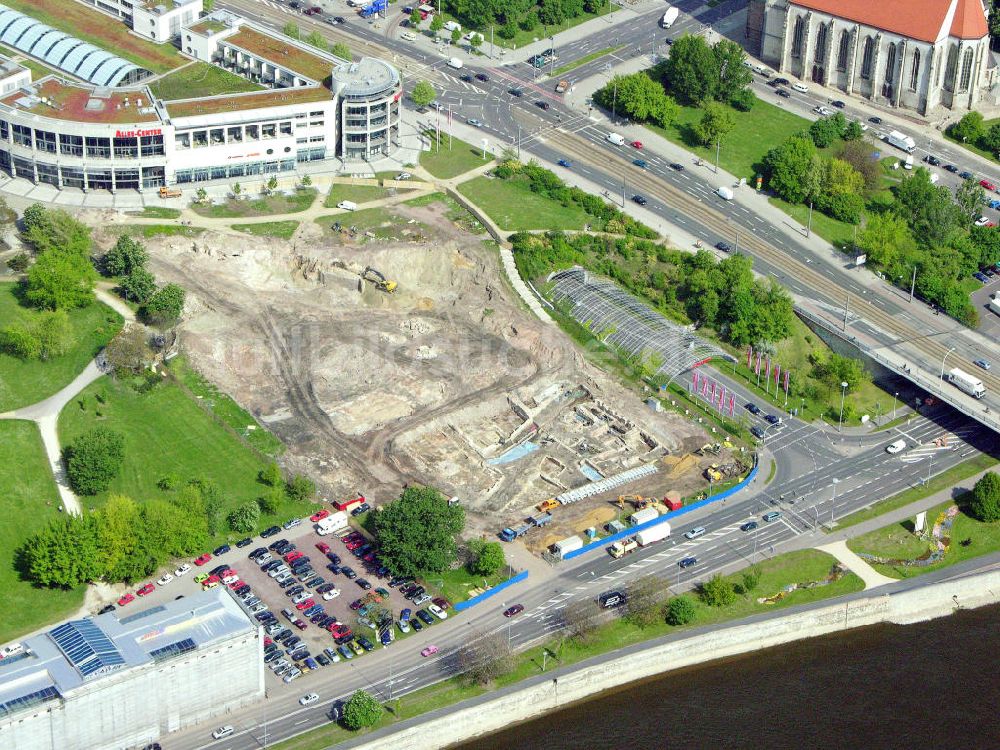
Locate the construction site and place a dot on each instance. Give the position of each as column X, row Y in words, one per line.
column 390, row 362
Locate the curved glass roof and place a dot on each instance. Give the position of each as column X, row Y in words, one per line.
column 60, row 50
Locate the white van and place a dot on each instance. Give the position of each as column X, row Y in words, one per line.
column 455, row 63
column 408, row 36
column 452, row 26
column 617, row 139
column 725, row 193
column 348, row 205
column 896, row 447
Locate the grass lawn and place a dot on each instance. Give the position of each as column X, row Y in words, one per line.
column 245, row 208
column 157, row 212
column 540, row 32
column 30, row 502
column 838, row 233
column 454, row 585
column 356, row 193
column 942, row 481
column 280, row 229
column 200, row 79
column 225, row 408
column 585, row 59
column 898, row 541
column 93, row 26
column 167, row 432
column 794, row 567
column 757, row 132
column 445, row 163
column 512, row 205
column 23, row 383
column 159, row 230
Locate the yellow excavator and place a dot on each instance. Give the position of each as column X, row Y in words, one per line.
column 638, row 501
column 379, row 280
column 713, row 473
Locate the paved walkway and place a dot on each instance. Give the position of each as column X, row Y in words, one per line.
column 856, row 565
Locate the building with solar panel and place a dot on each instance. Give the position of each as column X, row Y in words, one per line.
column 136, row 106
column 104, row 682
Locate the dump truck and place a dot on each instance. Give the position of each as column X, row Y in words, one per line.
column 653, row 534
column 542, row 519
column 166, row 192
column 379, row 280
column 510, row 534
column 623, row 547
column 966, row 383
column 562, row 86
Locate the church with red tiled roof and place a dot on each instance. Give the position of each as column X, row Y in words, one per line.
column 921, row 55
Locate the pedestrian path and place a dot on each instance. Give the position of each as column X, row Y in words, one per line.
column 859, row 567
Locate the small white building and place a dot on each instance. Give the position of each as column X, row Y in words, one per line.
column 564, row 546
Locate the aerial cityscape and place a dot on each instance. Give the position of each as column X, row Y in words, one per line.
column 377, row 375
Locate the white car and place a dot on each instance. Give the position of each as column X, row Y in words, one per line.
column 221, row 732
column 301, row 597
column 183, row 570
column 823, row 111
column 896, row 447
column 982, row 221
column 164, row 579
column 404, row 176
column 404, row 627
column 437, row 611
column 331, row 594
column 308, row 699
column 801, row 88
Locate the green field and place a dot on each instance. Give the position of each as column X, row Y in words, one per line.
column 756, row 132
column 248, row 207
column 30, row 501
column 166, row 433
column 513, row 207
column 281, row 229
column 157, row 212
column 147, row 231
column 444, row 162
column 897, row 541
column 987, row 124
column 200, row 79
column 356, row 193
column 24, row 382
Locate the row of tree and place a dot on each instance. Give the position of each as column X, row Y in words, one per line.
column 972, row 129
column 317, row 40
column 696, row 288
column 508, row 16
column 127, row 260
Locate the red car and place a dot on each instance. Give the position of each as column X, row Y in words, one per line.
column 323, row 547
column 353, row 544
column 305, row 605
column 319, row 515
column 202, row 560
column 147, row 589
column 515, row 610
column 236, row 584
column 442, row 603
column 300, row 624
column 125, row 600
column 293, row 556
column 636, row 144
column 987, row 184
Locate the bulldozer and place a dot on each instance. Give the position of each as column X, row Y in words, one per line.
column 638, row 501
column 379, row 280
column 713, row 473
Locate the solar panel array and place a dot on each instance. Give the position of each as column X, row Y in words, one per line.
column 27, row 701
column 173, row 649
column 87, row 647
column 60, row 50
column 618, row 318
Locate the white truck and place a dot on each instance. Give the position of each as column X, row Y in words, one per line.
column 623, row 547
column 564, row 546
column 897, row 139
column 966, row 383
column 332, row 523
column 669, row 17
column 653, row 534
column 616, row 138
column 455, row 63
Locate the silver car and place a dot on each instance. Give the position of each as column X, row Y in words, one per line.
column 421, row 600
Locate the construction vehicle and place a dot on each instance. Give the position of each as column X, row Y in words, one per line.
column 376, row 6
column 543, row 519
column 548, row 505
column 166, row 192
column 379, row 280
column 621, row 548
column 510, row 534
column 562, row 86
column 638, row 501
column 713, row 474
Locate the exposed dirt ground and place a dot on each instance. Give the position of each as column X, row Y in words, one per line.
column 352, row 379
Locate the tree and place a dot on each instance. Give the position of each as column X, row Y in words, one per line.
column 125, row 256
column 853, row 131
column 456, row 36
column 437, row 23
column 342, row 51
column 789, row 166
column 139, row 285
column 826, row 130
column 985, row 504
column 734, row 76
column 271, row 501
column 237, row 189
column 476, row 41
column 306, row 181
column 361, row 710
column 638, row 96
column 53, row 229
column 300, row 488
column 118, row 541
column 680, row 610
column 836, row 369
column 65, row 553
column 271, row 475
column 991, row 139
column 860, row 155
column 969, row 129
column 165, row 306
column 717, row 121
column 743, row 100
column 128, row 353
column 193, row 533
column 417, row 531
column 484, row 657
column 208, row 5
column 930, row 210
column 94, row 459
column 244, row 518
column 54, row 333
column 34, row 217
column 885, row 239
column 489, row 557
column 692, row 70
column 645, row 596
column 200, row 195
column 211, row 501
column 750, row 580
column 19, row 263
column 581, row 618
column 415, row 18
column 61, row 280
column 718, row 592
column 969, row 197
column 291, row 30
column 423, row 94
column 316, row 40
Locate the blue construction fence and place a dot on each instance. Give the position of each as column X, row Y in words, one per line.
column 602, row 543
column 461, row 606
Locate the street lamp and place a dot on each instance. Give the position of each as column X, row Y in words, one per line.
column 843, row 393
column 894, row 397
column 833, row 500
column 944, row 358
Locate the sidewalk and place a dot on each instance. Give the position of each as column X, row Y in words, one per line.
column 856, row 565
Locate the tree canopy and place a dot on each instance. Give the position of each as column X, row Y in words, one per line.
column 423, row 93
column 94, row 459
column 361, row 710
column 691, row 73
column 417, row 531
column 986, row 498
column 638, row 96
column 165, row 305
column 61, row 280
column 125, row 256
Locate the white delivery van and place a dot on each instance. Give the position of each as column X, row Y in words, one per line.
column 408, row 36
column 348, row 205
column 724, row 193
column 669, row 17
column 616, row 138
column 452, row 26
column 455, row 63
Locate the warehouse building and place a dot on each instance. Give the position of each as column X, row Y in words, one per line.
column 114, row 681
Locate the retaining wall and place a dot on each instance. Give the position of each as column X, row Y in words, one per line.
column 565, row 686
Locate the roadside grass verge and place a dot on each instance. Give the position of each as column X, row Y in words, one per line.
column 24, row 382
column 775, row 573
column 454, row 585
column 281, row 229
column 157, row 212
column 445, row 162
column 969, row 538
column 279, row 203
column 30, row 502
column 944, row 480
column 356, row 193
column 514, row 207
column 200, row 79
column 838, row 233
column 585, row 59
column 987, row 124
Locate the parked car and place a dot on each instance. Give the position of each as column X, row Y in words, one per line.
column 323, row 547
column 146, row 590
column 783, row 93
column 246, row 542
column 271, row 531
column 202, row 559
column 105, row 609
column 425, row 616
column 291, row 523
column 951, row 168
column 724, row 247
column 164, row 579
column 344, row 651
column 221, row 549
column 319, row 515
column 437, row 611
column 800, row 87
column 416, row 624
column 482, row 77
column 349, row 573
column 126, row 599
column 932, row 160
column 183, row 570
column 757, row 432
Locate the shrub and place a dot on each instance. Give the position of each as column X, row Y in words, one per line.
column 362, row 710
column 19, row 263
column 986, row 498
column 680, row 611
column 94, row 459
column 300, row 488
column 718, row 592
column 244, row 519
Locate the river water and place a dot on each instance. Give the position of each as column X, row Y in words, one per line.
column 929, row 685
